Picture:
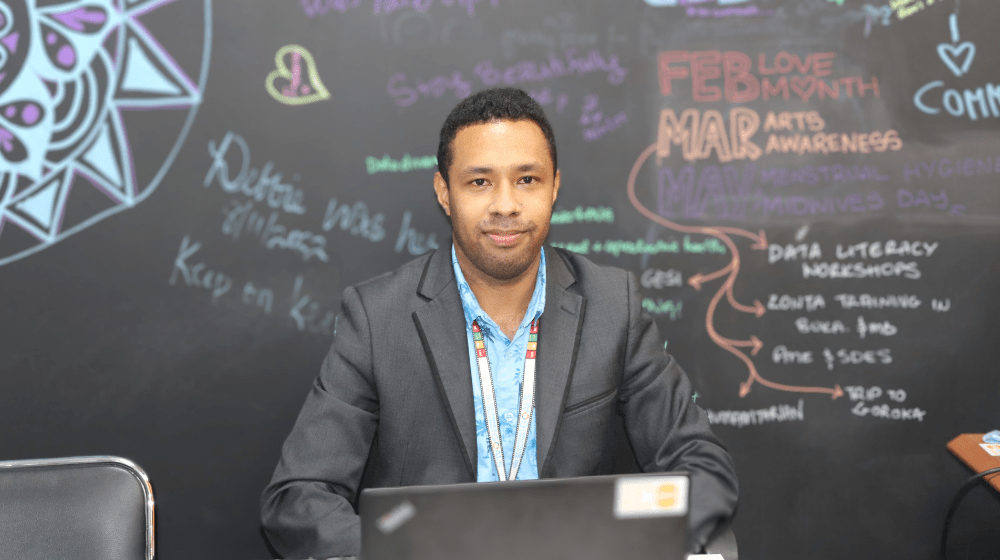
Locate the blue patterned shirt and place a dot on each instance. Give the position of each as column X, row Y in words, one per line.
column 506, row 362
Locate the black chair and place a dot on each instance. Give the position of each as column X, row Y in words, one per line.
column 83, row 508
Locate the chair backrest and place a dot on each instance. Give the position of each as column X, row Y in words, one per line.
column 75, row 508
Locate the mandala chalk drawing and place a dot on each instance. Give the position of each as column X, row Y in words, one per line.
column 296, row 92
column 68, row 70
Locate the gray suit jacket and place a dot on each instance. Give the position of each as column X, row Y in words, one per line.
column 392, row 405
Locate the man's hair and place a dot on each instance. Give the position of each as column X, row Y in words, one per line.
column 491, row 105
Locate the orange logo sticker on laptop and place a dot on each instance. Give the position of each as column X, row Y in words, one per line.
column 651, row 496
column 666, row 495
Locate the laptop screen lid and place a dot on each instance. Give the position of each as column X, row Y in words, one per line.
column 622, row 517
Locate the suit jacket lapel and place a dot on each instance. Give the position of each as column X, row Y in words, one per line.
column 558, row 341
column 440, row 323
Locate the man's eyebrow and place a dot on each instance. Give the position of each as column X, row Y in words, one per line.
column 477, row 170
column 528, row 167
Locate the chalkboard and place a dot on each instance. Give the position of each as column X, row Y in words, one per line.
column 807, row 191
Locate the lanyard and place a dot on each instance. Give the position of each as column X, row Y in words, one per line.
column 525, row 409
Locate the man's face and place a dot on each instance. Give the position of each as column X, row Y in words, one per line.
column 500, row 196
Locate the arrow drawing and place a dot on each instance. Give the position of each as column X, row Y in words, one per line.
column 732, row 270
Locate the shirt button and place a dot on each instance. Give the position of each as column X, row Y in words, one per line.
column 509, row 353
column 509, row 417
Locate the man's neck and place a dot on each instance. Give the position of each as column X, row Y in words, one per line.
column 505, row 301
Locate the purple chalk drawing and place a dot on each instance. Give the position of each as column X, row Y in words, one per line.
column 6, row 140
column 66, row 56
column 313, row 8
column 30, row 114
column 10, row 41
column 82, row 19
column 92, row 60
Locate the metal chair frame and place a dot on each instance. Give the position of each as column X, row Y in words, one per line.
column 128, row 466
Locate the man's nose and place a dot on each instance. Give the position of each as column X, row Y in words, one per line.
column 505, row 200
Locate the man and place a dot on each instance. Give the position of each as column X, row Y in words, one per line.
column 400, row 397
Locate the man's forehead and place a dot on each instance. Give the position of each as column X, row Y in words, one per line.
column 503, row 139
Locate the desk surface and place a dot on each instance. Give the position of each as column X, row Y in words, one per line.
column 967, row 448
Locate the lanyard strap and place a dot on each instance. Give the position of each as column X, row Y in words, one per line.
column 525, row 409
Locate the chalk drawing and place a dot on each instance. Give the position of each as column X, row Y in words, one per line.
column 67, row 70
column 956, row 56
column 288, row 85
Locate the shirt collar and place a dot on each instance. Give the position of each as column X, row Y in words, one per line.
column 472, row 310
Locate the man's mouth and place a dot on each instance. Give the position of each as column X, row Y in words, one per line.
column 504, row 238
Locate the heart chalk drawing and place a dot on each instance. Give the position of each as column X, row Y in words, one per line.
column 951, row 54
column 804, row 87
column 297, row 91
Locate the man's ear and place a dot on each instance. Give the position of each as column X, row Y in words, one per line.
column 555, row 187
column 441, row 189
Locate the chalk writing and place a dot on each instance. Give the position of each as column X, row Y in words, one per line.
column 941, row 306
column 307, row 314
column 973, row 103
column 545, row 96
column 822, row 143
column 436, row 87
column 867, row 328
column 299, row 89
column 739, row 85
column 810, row 206
column 618, row 247
column 869, row 301
column 242, row 218
column 792, row 252
column 812, row 175
column 808, row 302
column 595, row 123
column 257, row 296
column 874, row 14
column 877, row 249
column 409, row 238
column 728, row 189
column 389, row 6
column 260, row 186
column 569, row 64
column 198, row 275
column 523, row 72
column 858, row 393
column 734, row 11
column 906, row 8
column 744, row 418
column 782, row 355
column 698, row 135
column 858, row 357
column 884, row 411
column 402, row 165
column 837, row 270
column 658, row 279
column 354, row 219
column 671, row 3
column 806, row 326
column 313, row 8
column 663, row 307
column 600, row 214
column 945, row 168
column 725, row 235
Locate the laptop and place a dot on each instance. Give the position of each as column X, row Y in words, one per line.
column 617, row 517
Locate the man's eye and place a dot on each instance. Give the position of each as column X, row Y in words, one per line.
column 529, row 180
column 479, row 182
